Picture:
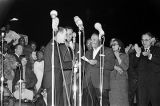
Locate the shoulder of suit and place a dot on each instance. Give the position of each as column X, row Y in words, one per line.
column 123, row 55
column 108, row 49
column 156, row 47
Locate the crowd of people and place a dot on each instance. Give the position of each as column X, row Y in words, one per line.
column 23, row 68
column 131, row 74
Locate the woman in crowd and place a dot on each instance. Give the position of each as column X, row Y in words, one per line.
column 118, row 77
column 28, row 74
column 39, row 69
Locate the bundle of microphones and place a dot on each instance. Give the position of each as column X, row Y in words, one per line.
column 97, row 26
column 78, row 22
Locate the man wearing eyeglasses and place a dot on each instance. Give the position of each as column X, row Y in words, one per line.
column 147, row 63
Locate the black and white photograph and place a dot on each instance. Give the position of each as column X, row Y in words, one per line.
column 79, row 53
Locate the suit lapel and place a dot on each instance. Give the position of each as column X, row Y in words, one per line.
column 98, row 54
column 65, row 53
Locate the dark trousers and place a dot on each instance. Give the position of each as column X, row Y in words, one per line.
column 132, row 91
column 58, row 98
column 148, row 94
column 92, row 94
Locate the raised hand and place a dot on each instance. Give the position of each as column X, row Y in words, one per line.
column 137, row 49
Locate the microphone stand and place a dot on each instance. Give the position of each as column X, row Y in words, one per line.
column 53, row 77
column 2, row 77
column 101, row 70
column 75, row 70
column 54, row 27
column 80, row 70
column 20, row 90
column 75, row 85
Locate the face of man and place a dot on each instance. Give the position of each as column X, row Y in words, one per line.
column 69, row 34
column 88, row 44
column 23, row 85
column 95, row 41
column 61, row 36
column 146, row 41
column 19, row 50
column 24, row 61
column 22, row 41
column 33, row 46
column 40, row 55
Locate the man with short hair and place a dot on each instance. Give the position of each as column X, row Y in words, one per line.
column 92, row 72
column 18, row 71
column 47, row 78
column 148, row 66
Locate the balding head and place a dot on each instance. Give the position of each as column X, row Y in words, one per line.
column 95, row 40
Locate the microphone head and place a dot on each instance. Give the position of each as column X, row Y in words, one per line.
column 53, row 13
column 98, row 26
column 78, row 22
column 76, row 19
column 14, row 19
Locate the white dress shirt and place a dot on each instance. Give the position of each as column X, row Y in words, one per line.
column 39, row 70
column 95, row 51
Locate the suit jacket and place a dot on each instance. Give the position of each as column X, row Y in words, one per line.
column 132, row 72
column 67, row 57
column 17, row 71
column 30, row 78
column 48, row 65
column 149, row 70
column 92, row 72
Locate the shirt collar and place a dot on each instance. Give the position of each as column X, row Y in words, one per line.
column 97, row 48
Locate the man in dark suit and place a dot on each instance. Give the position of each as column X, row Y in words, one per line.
column 69, row 54
column 132, row 78
column 148, row 67
column 18, row 71
column 59, row 41
column 92, row 72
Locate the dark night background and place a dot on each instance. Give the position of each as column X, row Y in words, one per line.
column 124, row 19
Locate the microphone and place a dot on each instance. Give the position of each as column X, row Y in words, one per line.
column 14, row 19
column 53, row 14
column 55, row 20
column 78, row 22
column 98, row 27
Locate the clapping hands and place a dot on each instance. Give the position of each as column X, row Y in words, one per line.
column 137, row 49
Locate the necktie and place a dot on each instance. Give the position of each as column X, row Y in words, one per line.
column 70, row 51
column 146, row 50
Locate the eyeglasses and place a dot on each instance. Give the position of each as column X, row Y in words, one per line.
column 145, row 40
column 114, row 44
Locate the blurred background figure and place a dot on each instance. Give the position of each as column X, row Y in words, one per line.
column 88, row 44
column 26, row 95
column 28, row 75
column 39, row 69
